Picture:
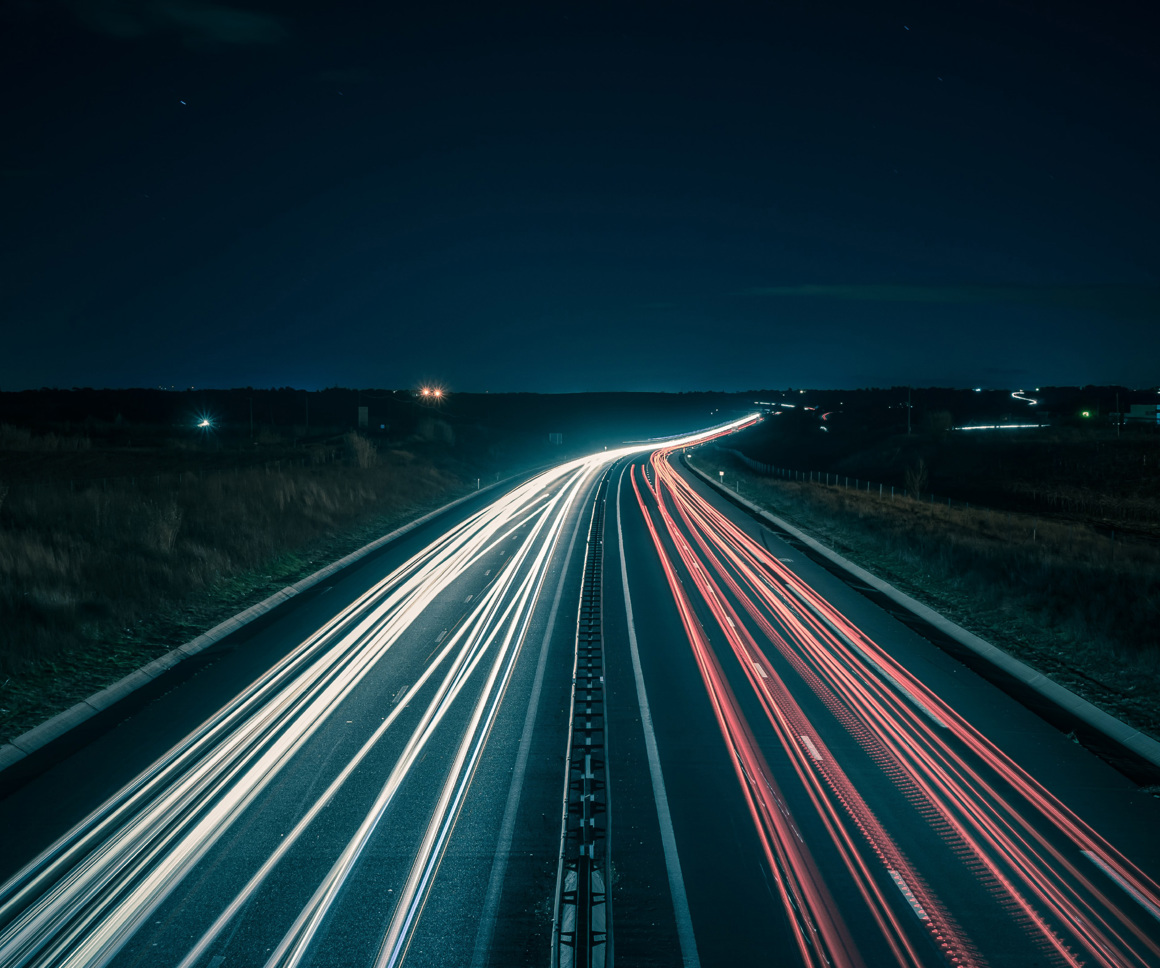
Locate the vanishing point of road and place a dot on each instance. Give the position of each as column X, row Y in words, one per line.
column 607, row 717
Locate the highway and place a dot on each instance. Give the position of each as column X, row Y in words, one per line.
column 872, row 802
column 605, row 703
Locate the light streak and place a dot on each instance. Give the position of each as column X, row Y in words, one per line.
column 989, row 810
column 1002, row 427
column 819, row 934
column 82, row 899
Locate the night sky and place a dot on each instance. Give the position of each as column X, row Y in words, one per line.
column 564, row 197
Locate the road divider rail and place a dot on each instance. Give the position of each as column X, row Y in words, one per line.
column 581, row 924
column 1119, row 732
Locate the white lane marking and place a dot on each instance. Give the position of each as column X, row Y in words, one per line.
column 468, row 599
column 97, row 883
column 413, row 897
column 760, row 670
column 910, row 898
column 866, row 657
column 507, row 630
column 870, row 660
column 486, row 573
column 688, row 942
column 1128, row 889
column 812, row 748
column 923, row 707
column 442, row 635
column 487, row 918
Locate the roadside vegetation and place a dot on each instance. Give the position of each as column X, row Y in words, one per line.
column 1071, row 597
column 132, row 520
column 99, row 575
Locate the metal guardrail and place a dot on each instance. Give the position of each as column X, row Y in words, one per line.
column 582, row 922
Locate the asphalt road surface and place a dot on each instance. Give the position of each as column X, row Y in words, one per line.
column 376, row 775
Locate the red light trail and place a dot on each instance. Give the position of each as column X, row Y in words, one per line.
column 1038, row 859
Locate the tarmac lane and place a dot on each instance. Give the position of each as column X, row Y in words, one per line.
column 899, row 809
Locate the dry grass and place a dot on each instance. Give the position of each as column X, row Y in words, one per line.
column 1077, row 604
column 80, row 562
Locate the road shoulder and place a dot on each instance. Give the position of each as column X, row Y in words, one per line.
column 1126, row 747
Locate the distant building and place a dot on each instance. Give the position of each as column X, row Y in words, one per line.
column 1141, row 413
column 555, row 438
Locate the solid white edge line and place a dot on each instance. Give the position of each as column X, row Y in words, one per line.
column 499, row 863
column 1123, row 884
column 684, row 919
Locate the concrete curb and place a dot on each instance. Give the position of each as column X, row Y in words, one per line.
column 1119, row 732
column 61, row 723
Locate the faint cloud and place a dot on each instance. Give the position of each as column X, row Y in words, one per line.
column 1132, row 301
column 197, row 23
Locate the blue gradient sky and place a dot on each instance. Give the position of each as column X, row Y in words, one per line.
column 586, row 197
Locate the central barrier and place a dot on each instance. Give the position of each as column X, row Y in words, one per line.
column 582, row 925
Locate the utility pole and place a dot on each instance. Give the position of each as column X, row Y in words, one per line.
column 908, row 411
column 251, row 418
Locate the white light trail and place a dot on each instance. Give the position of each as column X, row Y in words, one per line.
column 82, row 899
column 1001, row 426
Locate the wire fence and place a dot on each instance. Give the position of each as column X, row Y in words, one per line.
column 831, row 479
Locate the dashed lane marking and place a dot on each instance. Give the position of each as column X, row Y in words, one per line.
column 910, row 898
column 814, row 752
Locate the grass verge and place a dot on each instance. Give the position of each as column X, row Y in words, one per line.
column 1075, row 604
column 98, row 581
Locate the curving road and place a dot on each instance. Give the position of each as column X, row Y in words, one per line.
column 400, row 769
column 840, row 792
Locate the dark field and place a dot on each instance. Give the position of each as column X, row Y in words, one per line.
column 126, row 529
column 1047, row 547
